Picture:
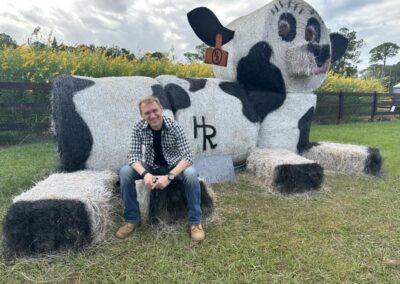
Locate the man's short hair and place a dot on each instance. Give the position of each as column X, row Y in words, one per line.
column 148, row 100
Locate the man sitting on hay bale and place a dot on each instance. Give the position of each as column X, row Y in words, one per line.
column 167, row 155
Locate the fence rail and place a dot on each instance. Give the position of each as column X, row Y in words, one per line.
column 15, row 107
column 370, row 105
column 25, row 86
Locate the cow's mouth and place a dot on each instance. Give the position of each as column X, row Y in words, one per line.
column 307, row 60
column 323, row 68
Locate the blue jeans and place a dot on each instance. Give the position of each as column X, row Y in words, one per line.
column 189, row 177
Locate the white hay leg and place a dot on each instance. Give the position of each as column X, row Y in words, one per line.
column 143, row 197
column 64, row 211
column 346, row 158
column 284, row 171
column 174, row 195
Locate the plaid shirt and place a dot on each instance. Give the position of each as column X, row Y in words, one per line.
column 174, row 144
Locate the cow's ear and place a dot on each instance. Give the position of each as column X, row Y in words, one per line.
column 339, row 45
column 206, row 26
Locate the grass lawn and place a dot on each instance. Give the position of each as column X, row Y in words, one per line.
column 349, row 232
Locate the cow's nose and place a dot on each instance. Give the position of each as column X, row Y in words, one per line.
column 321, row 52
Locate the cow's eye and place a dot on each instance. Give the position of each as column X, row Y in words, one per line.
column 310, row 33
column 283, row 29
column 313, row 31
column 287, row 27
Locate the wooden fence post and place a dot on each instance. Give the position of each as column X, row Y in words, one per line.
column 340, row 109
column 374, row 105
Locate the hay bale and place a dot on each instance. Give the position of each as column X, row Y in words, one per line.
column 168, row 206
column 284, row 171
column 213, row 119
column 66, row 211
column 93, row 118
column 346, row 158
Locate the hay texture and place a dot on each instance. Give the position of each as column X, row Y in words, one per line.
column 284, row 171
column 346, row 158
column 168, row 206
column 93, row 118
column 280, row 129
column 218, row 115
column 66, row 211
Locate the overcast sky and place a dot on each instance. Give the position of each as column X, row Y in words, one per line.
column 157, row 25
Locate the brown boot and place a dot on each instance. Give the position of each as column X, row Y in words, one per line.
column 197, row 232
column 126, row 230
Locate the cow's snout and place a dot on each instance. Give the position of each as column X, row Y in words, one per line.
column 321, row 52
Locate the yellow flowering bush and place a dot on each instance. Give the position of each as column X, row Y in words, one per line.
column 335, row 83
column 26, row 64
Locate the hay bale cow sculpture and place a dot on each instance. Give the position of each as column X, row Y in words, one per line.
column 258, row 110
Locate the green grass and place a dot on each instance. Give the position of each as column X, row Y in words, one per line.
column 347, row 233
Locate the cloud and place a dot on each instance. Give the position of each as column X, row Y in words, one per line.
column 119, row 6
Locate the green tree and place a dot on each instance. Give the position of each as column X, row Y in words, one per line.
column 54, row 43
column 346, row 66
column 197, row 55
column 382, row 53
column 6, row 40
column 157, row 55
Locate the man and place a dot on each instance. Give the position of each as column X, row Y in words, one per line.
column 168, row 155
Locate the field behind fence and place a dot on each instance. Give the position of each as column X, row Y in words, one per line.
column 25, row 108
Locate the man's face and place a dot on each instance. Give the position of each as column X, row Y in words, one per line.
column 152, row 113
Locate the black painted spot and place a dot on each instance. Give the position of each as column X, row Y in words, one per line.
column 298, row 178
column 321, row 53
column 206, row 26
column 45, row 226
column 177, row 96
column 196, row 84
column 265, row 102
column 263, row 81
column 159, row 92
column 72, row 133
column 373, row 163
column 169, row 205
column 304, row 126
column 256, row 72
column 256, row 105
column 236, row 90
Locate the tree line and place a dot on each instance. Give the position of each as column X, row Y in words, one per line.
column 38, row 42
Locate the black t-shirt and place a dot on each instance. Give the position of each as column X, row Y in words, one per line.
column 158, row 152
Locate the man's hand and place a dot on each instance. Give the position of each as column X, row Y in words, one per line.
column 150, row 180
column 161, row 182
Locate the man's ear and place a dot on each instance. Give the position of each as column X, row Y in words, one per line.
column 339, row 45
column 206, row 26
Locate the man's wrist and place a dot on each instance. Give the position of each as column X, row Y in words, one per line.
column 170, row 176
column 145, row 172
